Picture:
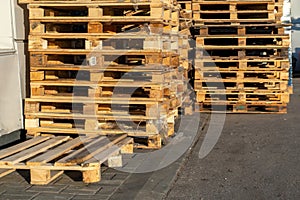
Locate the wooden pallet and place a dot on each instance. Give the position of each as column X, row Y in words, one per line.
column 260, row 18
column 48, row 157
column 57, row 123
column 232, row 16
column 243, row 41
column 105, row 11
column 252, row 84
column 248, row 65
column 244, row 108
column 100, row 58
column 251, row 47
column 242, row 52
column 93, row 26
column 241, row 30
column 87, row 116
column 112, row 89
column 241, row 76
column 104, row 18
column 102, row 111
column 103, row 41
column 105, row 75
column 241, row 97
column 236, row 12
column 237, row 9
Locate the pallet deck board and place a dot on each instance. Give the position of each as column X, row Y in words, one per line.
column 90, row 150
column 58, row 151
column 19, row 147
column 25, row 154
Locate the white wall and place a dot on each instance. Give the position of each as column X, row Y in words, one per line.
column 6, row 28
column 295, row 8
column 10, row 98
column 11, row 117
column 296, row 31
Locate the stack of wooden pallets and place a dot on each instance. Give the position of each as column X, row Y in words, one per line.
column 241, row 61
column 105, row 67
column 185, row 52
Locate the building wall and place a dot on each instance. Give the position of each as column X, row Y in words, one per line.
column 12, row 66
column 10, row 99
column 296, row 31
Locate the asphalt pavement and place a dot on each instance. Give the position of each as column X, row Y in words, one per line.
column 256, row 157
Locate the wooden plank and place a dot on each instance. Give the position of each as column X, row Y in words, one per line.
column 89, row 151
column 125, row 83
column 98, row 100
column 47, row 166
column 33, row 151
column 24, row 145
column 107, row 52
column 74, row 19
column 107, row 116
column 102, row 156
column 62, row 161
column 77, row 131
column 95, row 149
column 58, row 151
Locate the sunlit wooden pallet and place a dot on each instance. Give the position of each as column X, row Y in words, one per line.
column 241, row 30
column 103, row 41
column 109, row 89
column 120, row 26
column 242, row 97
column 62, row 115
column 242, row 52
column 114, row 110
column 102, row 59
column 243, row 41
column 74, row 124
column 248, row 84
column 243, row 108
column 247, row 65
column 47, row 157
column 233, row 5
column 241, row 76
column 105, row 75
column 155, row 12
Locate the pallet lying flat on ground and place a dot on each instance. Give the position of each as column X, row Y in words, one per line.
column 47, row 157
